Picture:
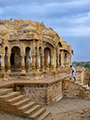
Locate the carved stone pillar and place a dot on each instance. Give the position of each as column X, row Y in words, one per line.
column 50, row 61
column 3, row 64
column 27, row 63
column 33, row 56
column 23, row 63
column 37, row 63
column 47, row 63
column 58, row 60
column 53, row 63
column 69, row 58
column 55, row 58
column 8, row 64
column 62, row 58
column 37, row 57
column 42, row 62
column 33, row 63
column 3, row 67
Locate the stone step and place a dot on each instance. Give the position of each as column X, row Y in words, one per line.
column 9, row 96
column 44, row 115
column 88, row 88
column 16, row 99
column 5, row 91
column 67, row 79
column 21, row 103
column 32, row 110
column 84, row 86
column 77, row 82
column 80, row 84
column 18, row 104
column 27, row 106
column 37, row 114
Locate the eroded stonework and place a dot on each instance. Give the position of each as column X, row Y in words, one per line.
column 30, row 47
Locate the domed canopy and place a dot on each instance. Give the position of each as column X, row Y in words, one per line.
column 29, row 29
column 49, row 32
column 3, row 30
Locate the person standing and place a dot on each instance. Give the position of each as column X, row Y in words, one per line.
column 72, row 73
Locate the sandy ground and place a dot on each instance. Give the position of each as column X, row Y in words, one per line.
column 69, row 109
column 65, row 109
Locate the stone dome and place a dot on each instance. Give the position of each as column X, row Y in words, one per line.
column 49, row 32
column 3, row 30
column 29, row 29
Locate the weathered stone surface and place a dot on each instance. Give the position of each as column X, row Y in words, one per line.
column 30, row 47
column 75, row 89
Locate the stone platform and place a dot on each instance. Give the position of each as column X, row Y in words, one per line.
column 43, row 91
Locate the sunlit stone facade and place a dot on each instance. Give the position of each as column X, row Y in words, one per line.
column 30, row 47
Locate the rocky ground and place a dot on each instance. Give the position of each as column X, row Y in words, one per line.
column 69, row 109
column 65, row 109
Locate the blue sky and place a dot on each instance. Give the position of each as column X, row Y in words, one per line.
column 69, row 18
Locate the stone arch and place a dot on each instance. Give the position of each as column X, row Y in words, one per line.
column 40, row 56
column 66, row 59
column 59, row 44
column 72, row 52
column 16, row 45
column 6, row 49
column 15, row 58
column 49, row 46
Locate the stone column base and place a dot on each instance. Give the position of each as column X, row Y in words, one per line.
column 8, row 71
column 33, row 71
column 23, row 71
column 37, row 70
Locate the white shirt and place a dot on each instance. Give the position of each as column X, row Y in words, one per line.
column 73, row 69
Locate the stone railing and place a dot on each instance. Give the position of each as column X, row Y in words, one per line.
column 75, row 90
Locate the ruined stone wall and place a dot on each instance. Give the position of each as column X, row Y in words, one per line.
column 86, row 76
column 54, row 93
column 42, row 94
column 80, row 71
column 75, row 90
column 36, row 92
column 80, row 74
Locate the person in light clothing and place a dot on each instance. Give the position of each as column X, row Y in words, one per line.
column 72, row 73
